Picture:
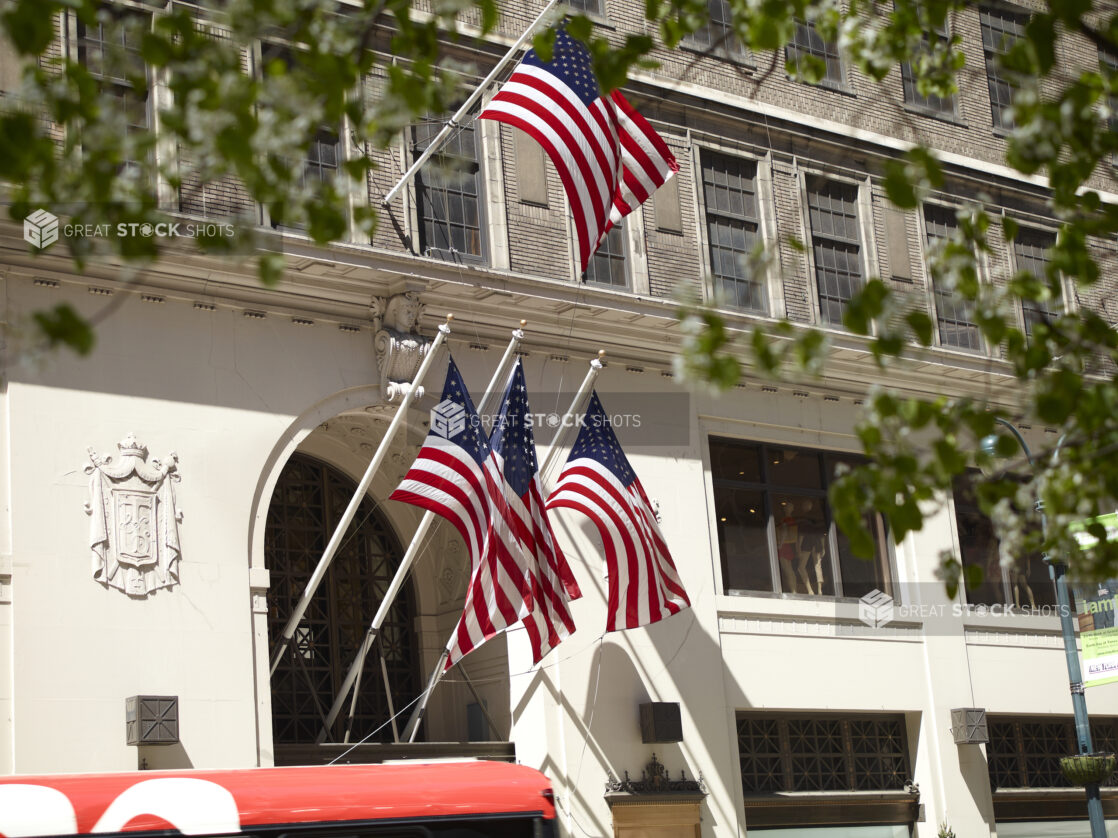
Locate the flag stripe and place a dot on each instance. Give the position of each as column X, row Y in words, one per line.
column 608, row 157
column 599, row 482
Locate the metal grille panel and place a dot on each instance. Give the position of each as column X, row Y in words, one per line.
column 307, row 503
column 1025, row 752
column 822, row 753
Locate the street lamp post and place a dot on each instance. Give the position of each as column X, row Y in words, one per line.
column 1058, row 571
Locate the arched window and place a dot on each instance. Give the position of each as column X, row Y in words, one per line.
column 309, row 500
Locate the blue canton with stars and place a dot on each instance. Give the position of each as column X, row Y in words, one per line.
column 512, row 435
column 570, row 62
column 471, row 439
column 597, row 441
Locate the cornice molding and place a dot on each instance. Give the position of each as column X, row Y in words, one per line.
column 340, row 283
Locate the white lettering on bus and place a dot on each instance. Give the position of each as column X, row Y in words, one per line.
column 27, row 809
column 193, row 807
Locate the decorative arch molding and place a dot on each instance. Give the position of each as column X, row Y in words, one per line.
column 367, row 401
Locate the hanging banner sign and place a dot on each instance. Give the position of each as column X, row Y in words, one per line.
column 1097, row 612
column 1100, row 656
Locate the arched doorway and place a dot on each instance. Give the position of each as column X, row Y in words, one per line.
column 306, row 505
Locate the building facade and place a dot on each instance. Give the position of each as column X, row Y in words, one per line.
column 166, row 498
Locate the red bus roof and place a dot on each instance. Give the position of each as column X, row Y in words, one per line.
column 212, row 802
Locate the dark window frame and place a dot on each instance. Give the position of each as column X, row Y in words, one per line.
column 732, row 214
column 112, row 45
column 717, row 35
column 979, row 546
column 1030, row 254
column 1108, row 65
column 955, row 327
column 833, row 250
column 445, row 183
column 610, row 262
column 913, row 98
column 1001, row 27
column 770, row 560
column 593, row 8
column 808, row 41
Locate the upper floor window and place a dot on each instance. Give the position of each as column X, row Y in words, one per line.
column 939, row 105
column 730, row 198
column 953, row 315
column 110, row 50
column 814, row 57
column 1024, row 584
column 592, row 7
column 717, row 33
column 1108, row 64
column 607, row 264
column 835, row 245
column 1032, row 253
column 775, row 532
column 320, row 166
column 1000, row 30
column 815, row 752
column 448, row 195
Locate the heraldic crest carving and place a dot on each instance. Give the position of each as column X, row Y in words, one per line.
column 134, row 526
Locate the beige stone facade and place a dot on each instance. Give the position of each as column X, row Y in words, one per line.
column 241, row 382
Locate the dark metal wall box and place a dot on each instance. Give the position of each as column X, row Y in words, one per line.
column 660, row 722
column 152, row 719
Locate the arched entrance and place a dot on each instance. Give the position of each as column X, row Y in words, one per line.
column 307, row 503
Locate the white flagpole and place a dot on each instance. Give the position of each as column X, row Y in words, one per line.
column 469, row 103
column 577, row 407
column 409, row 557
column 552, row 452
column 358, row 496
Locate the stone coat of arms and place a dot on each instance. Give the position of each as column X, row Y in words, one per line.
column 134, row 523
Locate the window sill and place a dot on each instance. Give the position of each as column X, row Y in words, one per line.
column 796, row 606
column 744, row 61
column 995, row 618
column 833, row 87
column 931, row 113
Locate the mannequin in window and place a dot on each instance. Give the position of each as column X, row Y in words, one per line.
column 811, row 549
column 787, row 540
column 1019, row 578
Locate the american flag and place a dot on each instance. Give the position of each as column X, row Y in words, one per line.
column 598, row 481
column 553, row 584
column 457, row 476
column 608, row 157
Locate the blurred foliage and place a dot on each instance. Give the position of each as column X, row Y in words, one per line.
column 66, row 143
